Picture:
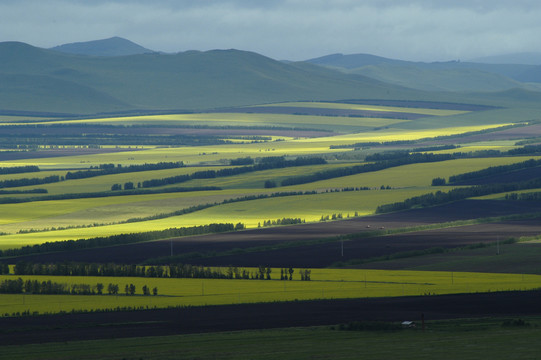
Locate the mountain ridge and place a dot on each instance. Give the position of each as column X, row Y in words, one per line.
column 114, row 46
column 191, row 80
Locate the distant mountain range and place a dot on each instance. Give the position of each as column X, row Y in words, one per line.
column 35, row 79
column 117, row 75
column 115, row 46
column 437, row 76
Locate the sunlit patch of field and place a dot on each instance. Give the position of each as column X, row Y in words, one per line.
column 213, row 154
column 414, row 175
column 251, row 213
column 104, row 182
column 325, row 284
column 333, row 105
column 255, row 180
column 238, row 119
column 107, row 210
column 500, row 145
column 65, row 213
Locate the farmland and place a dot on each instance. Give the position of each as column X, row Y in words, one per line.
column 325, row 284
column 234, row 161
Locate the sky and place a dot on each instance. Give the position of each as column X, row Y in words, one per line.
column 419, row 30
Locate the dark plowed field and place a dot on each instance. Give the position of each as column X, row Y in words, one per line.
column 323, row 254
column 71, row 327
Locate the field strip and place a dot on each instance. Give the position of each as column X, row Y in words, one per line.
column 346, row 106
column 325, row 284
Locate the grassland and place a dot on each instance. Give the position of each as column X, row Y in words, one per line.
column 464, row 339
column 325, row 284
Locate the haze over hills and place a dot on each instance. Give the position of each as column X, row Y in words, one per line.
column 527, row 58
column 115, row 46
column 97, row 79
column 436, row 76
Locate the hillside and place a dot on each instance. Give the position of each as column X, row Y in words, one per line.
column 436, row 76
column 114, row 46
column 58, row 82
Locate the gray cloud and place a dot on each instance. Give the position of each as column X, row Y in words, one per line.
column 287, row 29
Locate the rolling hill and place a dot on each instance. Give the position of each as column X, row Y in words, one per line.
column 36, row 79
column 115, row 46
column 436, row 76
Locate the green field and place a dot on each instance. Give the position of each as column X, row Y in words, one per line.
column 325, row 284
column 456, row 339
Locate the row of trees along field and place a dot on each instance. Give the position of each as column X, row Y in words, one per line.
column 19, row 169
column 19, row 286
column 440, row 197
column 404, row 159
column 121, row 239
column 103, row 169
column 268, row 163
column 152, row 271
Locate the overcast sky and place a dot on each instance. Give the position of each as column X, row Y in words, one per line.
column 425, row 30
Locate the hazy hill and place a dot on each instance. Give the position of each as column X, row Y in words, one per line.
column 36, row 79
column 439, row 76
column 115, row 46
column 527, row 58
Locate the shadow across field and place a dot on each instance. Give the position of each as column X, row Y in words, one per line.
column 308, row 245
column 106, row 325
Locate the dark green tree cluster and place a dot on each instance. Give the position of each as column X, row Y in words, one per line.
column 286, row 274
column 359, row 169
column 283, row 221
column 305, row 274
column 107, row 169
column 440, row 197
column 19, row 286
column 18, row 169
column 30, row 181
column 264, row 164
column 494, row 170
column 532, row 196
column 438, row 181
column 242, row 161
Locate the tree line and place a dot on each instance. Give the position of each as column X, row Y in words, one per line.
column 19, row 286
column 120, row 239
column 275, row 162
column 283, row 221
column 440, row 197
column 103, row 169
column 12, row 200
column 494, row 170
column 153, row 271
column 30, row 181
column 405, row 159
column 19, row 169
column 533, row 196
column 108, row 169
